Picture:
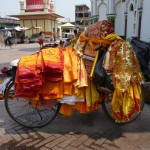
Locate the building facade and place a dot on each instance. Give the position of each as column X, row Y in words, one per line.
column 67, row 30
column 38, row 14
column 129, row 17
column 82, row 16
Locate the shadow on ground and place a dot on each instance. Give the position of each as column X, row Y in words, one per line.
column 95, row 125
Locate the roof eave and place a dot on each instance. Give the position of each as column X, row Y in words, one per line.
column 36, row 14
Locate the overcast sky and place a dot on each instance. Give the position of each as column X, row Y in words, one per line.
column 65, row 8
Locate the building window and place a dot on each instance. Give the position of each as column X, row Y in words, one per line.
column 77, row 22
column 80, row 15
column 80, row 9
column 86, row 15
column 67, row 30
column 131, row 7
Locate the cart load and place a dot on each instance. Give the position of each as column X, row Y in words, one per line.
column 82, row 76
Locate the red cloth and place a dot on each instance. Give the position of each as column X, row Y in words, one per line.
column 40, row 41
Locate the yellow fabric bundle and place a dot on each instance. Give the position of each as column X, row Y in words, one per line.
column 121, row 62
column 125, row 104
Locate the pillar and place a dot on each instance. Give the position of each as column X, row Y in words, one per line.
column 21, row 6
column 45, row 2
column 145, row 21
column 111, row 17
column 111, row 6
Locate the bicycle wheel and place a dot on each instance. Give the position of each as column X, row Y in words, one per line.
column 106, row 106
column 22, row 112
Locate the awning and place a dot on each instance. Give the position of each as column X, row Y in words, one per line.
column 26, row 28
column 39, row 28
column 21, row 28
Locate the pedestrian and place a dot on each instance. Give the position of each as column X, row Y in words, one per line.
column 41, row 41
column 74, row 39
column 61, row 44
column 8, row 36
column 67, row 43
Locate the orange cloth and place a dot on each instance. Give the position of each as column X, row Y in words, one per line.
column 68, row 89
column 70, row 72
column 91, row 94
column 79, row 106
column 53, row 62
column 66, row 109
column 93, row 41
column 53, row 59
column 28, row 80
column 83, row 108
column 70, row 65
column 27, row 67
column 47, row 65
column 51, row 90
column 82, row 75
column 49, row 62
column 39, row 63
column 82, row 82
column 1, row 96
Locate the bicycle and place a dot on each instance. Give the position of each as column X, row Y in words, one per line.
column 37, row 116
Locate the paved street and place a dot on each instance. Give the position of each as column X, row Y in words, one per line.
column 9, row 54
column 92, row 131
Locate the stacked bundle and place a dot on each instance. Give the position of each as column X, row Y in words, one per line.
column 32, row 73
column 28, row 79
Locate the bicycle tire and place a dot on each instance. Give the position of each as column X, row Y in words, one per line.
column 22, row 112
column 106, row 107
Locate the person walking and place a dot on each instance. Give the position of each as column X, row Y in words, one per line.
column 8, row 36
column 67, row 43
column 74, row 38
column 61, row 44
column 41, row 41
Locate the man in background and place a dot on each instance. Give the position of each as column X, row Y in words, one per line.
column 75, row 38
column 67, row 43
column 41, row 41
column 8, row 36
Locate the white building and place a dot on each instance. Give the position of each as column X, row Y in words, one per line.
column 130, row 17
column 67, row 30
